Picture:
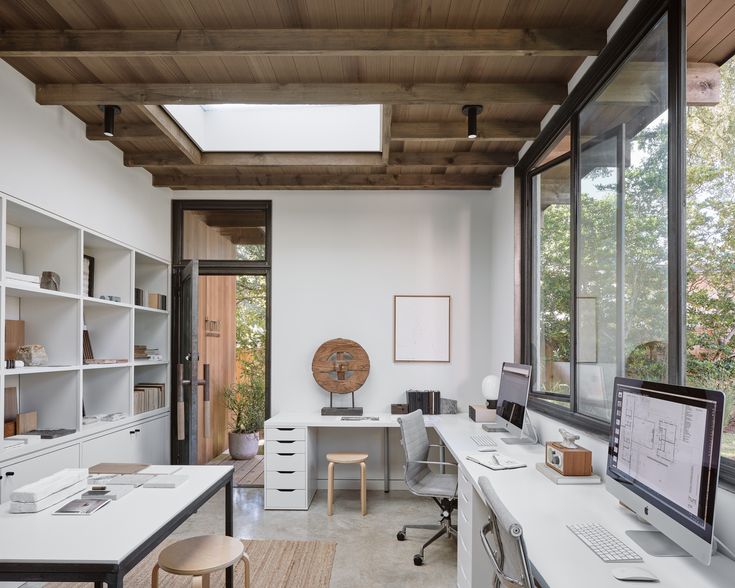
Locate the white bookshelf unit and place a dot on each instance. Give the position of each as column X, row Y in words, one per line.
column 68, row 388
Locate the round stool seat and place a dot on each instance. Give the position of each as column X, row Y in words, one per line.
column 198, row 556
column 345, row 457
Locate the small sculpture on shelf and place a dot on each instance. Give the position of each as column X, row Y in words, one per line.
column 32, row 355
column 51, row 281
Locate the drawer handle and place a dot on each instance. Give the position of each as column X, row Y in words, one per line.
column 9, row 474
column 286, row 429
column 286, row 454
column 279, row 490
column 280, row 472
column 285, row 441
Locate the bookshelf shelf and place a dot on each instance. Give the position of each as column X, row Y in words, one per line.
column 67, row 389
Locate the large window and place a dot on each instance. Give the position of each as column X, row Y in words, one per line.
column 711, row 249
column 599, row 247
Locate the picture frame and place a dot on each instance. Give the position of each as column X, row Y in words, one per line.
column 422, row 328
column 88, row 276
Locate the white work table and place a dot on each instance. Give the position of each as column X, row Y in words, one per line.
column 543, row 508
column 104, row 546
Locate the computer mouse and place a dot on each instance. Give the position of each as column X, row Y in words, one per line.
column 486, row 448
column 633, row 574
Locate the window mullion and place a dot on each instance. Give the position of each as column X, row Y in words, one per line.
column 576, row 181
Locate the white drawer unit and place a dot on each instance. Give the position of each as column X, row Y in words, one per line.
column 287, row 434
column 285, row 446
column 286, row 480
column 290, row 468
column 285, row 499
column 473, row 565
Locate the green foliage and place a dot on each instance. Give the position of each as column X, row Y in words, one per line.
column 246, row 403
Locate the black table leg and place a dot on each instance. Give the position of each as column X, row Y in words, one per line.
column 228, row 528
column 99, row 584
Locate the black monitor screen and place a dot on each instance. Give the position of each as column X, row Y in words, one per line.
column 515, row 381
column 665, row 447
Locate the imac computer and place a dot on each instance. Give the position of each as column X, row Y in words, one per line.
column 510, row 414
column 663, row 463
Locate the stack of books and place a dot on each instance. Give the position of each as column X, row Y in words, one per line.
column 150, row 299
column 427, row 401
column 145, row 352
column 148, row 397
column 23, row 280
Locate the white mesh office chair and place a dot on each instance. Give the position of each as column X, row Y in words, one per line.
column 507, row 552
column 421, row 481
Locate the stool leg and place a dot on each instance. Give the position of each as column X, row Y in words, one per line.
column 205, row 581
column 363, row 488
column 330, row 487
column 246, row 570
column 196, row 582
column 154, row 577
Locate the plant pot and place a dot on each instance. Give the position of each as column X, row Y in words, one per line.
column 243, row 445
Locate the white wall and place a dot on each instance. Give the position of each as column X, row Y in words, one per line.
column 46, row 160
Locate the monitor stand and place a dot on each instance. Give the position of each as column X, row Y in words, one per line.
column 491, row 428
column 656, row 544
column 518, row 440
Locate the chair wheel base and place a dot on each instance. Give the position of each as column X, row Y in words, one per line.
column 401, row 536
column 418, row 560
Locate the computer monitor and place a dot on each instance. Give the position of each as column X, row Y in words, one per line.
column 663, row 463
column 515, row 383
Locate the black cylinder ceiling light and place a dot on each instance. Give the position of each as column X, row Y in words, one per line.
column 471, row 111
column 110, row 112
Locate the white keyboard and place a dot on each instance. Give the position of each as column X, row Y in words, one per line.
column 604, row 544
column 485, row 440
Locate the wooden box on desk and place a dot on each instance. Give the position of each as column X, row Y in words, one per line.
column 481, row 414
column 568, row 461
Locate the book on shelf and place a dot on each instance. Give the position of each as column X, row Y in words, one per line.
column 427, row 401
column 141, row 352
column 148, row 396
column 104, row 361
column 150, row 299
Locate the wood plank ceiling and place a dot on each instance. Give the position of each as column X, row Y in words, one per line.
column 421, row 59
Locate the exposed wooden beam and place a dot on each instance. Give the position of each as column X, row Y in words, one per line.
column 450, row 159
column 225, row 42
column 385, row 131
column 327, row 181
column 223, row 160
column 703, row 84
column 488, row 130
column 367, row 93
column 253, row 159
column 160, row 118
column 124, row 132
column 644, row 83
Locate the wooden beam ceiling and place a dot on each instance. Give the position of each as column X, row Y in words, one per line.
column 309, row 42
column 487, row 130
column 328, row 181
column 430, row 159
column 296, row 93
column 173, row 132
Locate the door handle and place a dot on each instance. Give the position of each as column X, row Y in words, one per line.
column 180, row 416
column 207, row 404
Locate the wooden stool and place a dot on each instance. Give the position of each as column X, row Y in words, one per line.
column 333, row 458
column 199, row 557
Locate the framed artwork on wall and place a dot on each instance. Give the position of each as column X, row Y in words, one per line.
column 421, row 328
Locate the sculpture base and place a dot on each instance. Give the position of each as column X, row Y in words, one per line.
column 342, row 411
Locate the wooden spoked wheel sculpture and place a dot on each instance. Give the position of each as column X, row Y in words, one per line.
column 340, row 366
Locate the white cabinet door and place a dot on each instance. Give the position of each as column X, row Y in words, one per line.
column 118, row 447
column 24, row 472
column 152, row 442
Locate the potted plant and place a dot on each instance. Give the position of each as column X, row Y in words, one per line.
column 246, row 402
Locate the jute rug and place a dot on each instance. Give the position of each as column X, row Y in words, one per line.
column 273, row 564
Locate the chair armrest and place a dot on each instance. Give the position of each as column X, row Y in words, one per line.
column 446, row 463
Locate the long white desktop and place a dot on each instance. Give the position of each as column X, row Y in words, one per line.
column 544, row 509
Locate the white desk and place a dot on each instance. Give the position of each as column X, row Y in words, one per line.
column 106, row 545
column 544, row 509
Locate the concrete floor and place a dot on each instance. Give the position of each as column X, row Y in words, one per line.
column 368, row 554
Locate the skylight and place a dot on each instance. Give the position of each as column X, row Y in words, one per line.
column 281, row 127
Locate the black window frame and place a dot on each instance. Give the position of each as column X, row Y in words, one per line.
column 642, row 19
column 223, row 267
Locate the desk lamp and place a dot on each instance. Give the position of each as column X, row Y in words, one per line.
column 490, row 387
